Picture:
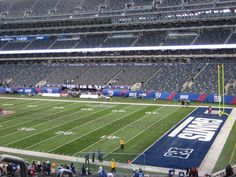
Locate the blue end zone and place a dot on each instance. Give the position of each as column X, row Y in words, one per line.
column 186, row 144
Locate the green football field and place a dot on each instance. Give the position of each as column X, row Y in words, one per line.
column 76, row 128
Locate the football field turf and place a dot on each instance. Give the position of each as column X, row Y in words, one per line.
column 73, row 129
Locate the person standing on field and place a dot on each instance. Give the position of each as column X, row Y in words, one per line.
column 113, row 166
column 122, row 143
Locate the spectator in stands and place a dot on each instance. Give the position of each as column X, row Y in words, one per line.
column 102, row 172
column 113, row 166
column 187, row 171
column 171, row 172
column 10, row 170
column 72, row 168
column 48, row 168
column 83, row 171
column 59, row 170
column 181, row 173
column 1, row 171
column 88, row 171
column 140, row 172
column 193, row 172
column 229, row 171
column 110, row 174
column 38, row 168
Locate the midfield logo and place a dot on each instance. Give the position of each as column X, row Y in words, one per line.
column 180, row 153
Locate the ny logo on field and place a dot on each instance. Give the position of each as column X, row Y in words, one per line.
column 178, row 153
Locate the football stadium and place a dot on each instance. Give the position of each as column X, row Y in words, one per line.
column 116, row 88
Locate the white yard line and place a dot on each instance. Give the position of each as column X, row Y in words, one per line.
column 116, row 131
column 214, row 152
column 58, row 118
column 32, row 121
column 162, row 136
column 144, row 130
column 12, row 120
column 94, row 130
column 74, row 127
column 101, row 102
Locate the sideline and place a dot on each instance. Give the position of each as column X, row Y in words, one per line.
column 77, row 159
column 104, row 102
column 214, row 152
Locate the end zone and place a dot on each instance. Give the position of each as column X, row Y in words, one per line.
column 187, row 143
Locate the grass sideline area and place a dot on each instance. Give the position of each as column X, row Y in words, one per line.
column 228, row 154
column 35, row 123
column 118, row 99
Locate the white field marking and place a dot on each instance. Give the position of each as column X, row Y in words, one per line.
column 110, row 103
column 181, row 127
column 86, row 109
column 114, row 132
column 151, row 113
column 104, row 105
column 11, row 120
column 30, row 120
column 18, row 103
column 171, row 129
column 26, row 129
column 65, row 133
column 32, row 106
column 34, row 125
column 70, row 129
column 45, row 129
column 144, row 130
column 95, row 129
column 8, row 104
column 118, row 111
column 109, row 137
column 58, row 108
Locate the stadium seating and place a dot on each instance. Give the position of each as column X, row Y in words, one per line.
column 134, row 74
column 155, row 38
column 202, row 76
column 59, row 76
column 52, row 8
column 97, row 75
column 172, row 77
column 216, row 36
column 41, row 43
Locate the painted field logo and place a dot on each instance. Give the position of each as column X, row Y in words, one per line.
column 201, row 129
column 26, row 129
column 180, row 153
column 64, row 133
